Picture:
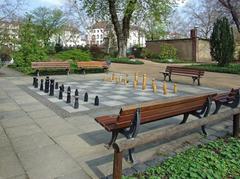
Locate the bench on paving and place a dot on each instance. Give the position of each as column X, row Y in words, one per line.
column 230, row 99
column 129, row 119
column 50, row 65
column 93, row 65
column 195, row 74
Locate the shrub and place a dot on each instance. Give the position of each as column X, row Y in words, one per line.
column 74, row 54
column 137, row 51
column 222, row 42
column 5, row 54
column 96, row 52
column 125, row 60
column 167, row 52
column 58, row 47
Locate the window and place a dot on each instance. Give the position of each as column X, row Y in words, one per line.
column 97, row 36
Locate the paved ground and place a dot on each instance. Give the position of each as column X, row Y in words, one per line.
column 210, row 79
column 37, row 143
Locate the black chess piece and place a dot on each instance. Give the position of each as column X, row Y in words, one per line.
column 36, row 83
column 69, row 95
column 62, row 87
column 86, row 97
column 96, row 101
column 76, row 103
column 51, row 87
column 56, row 85
column 34, row 79
column 41, row 85
column 60, row 96
column 46, row 90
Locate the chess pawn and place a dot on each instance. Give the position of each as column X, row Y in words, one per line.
column 86, row 97
column 69, row 95
column 175, row 88
column 41, row 85
column 136, row 77
column 60, row 96
column 62, row 87
column 34, row 80
column 164, row 88
column 154, row 87
column 46, row 85
column 144, row 83
column 96, row 101
column 76, row 103
column 135, row 84
column 36, row 83
column 113, row 77
column 56, row 85
column 51, row 87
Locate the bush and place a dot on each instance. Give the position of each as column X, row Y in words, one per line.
column 58, row 47
column 222, row 42
column 166, row 52
column 137, row 51
column 74, row 54
column 125, row 60
column 96, row 52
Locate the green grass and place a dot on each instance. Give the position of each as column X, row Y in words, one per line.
column 218, row 159
column 231, row 68
column 170, row 61
column 126, row 60
column 73, row 54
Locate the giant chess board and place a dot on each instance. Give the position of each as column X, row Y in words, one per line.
column 110, row 94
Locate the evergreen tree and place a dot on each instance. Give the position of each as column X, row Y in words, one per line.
column 30, row 47
column 222, row 42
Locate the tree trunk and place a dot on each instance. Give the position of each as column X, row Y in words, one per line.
column 122, row 47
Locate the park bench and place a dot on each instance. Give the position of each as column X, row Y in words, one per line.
column 129, row 119
column 195, row 74
column 229, row 99
column 50, row 65
column 93, row 65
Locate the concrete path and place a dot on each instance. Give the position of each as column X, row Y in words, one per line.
column 37, row 143
column 152, row 69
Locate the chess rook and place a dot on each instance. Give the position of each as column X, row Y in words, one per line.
column 76, row 102
column 36, row 83
column 51, row 87
column 86, row 97
column 62, row 87
column 69, row 95
column 41, row 85
column 56, row 85
column 96, row 101
column 136, row 77
column 164, row 88
column 144, row 82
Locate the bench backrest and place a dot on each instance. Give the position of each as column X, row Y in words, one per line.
column 176, row 69
column 231, row 94
column 160, row 109
column 92, row 64
column 37, row 65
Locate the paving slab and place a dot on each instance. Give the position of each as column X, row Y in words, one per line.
column 20, row 131
column 31, row 142
column 48, row 162
column 75, row 175
column 9, row 163
column 16, row 122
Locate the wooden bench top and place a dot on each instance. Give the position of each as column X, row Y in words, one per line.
column 93, row 64
column 183, row 71
column 56, row 64
column 155, row 110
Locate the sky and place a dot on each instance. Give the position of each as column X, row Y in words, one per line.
column 30, row 5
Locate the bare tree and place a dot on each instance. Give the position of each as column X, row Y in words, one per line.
column 9, row 8
column 202, row 15
column 233, row 7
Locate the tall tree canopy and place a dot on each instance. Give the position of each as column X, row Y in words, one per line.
column 123, row 12
column 233, row 7
column 47, row 22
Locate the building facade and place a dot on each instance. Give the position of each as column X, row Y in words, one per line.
column 100, row 31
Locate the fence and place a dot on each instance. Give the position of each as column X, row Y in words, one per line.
column 142, row 139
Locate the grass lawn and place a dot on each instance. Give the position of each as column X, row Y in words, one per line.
column 232, row 68
column 218, row 159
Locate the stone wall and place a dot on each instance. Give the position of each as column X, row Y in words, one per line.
column 185, row 48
